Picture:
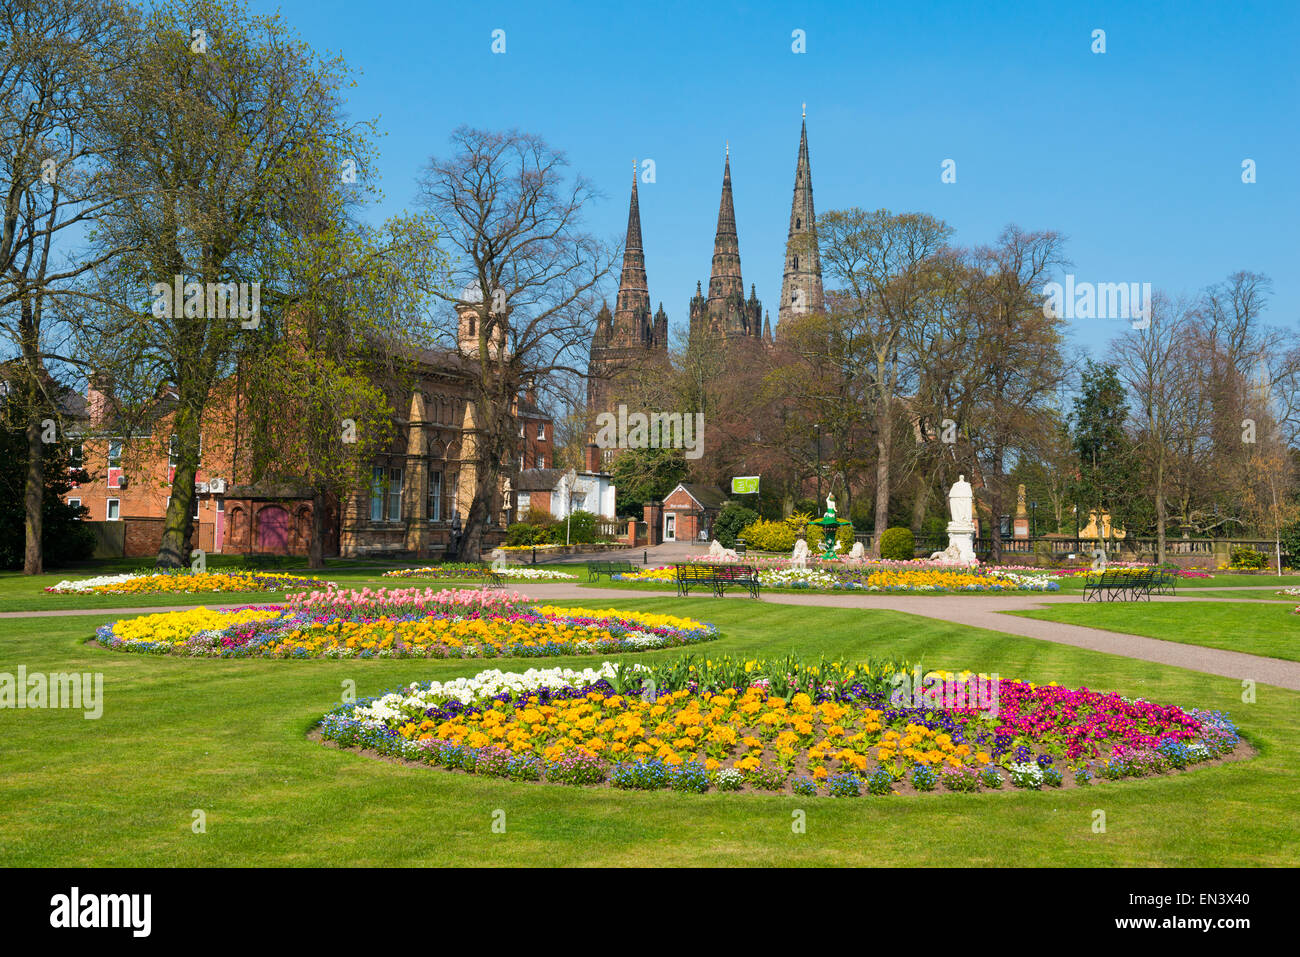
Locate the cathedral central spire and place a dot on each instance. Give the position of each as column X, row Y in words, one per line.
column 632, row 321
column 726, row 313
column 725, row 279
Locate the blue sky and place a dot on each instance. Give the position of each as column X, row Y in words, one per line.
column 1135, row 154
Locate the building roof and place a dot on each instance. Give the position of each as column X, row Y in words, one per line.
column 537, row 480
column 706, row 496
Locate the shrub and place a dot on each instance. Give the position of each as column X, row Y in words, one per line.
column 522, row 533
column 1245, row 557
column 582, row 528
column 731, row 523
column 768, row 536
column 898, row 544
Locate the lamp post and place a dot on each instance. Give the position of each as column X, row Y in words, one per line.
column 1033, row 520
column 570, row 477
column 818, row 427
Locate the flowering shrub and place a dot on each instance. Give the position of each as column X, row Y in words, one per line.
column 447, row 624
column 772, row 725
column 183, row 583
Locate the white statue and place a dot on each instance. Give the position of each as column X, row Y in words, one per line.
column 960, row 501
column 716, row 550
column 961, row 530
column 857, row 552
column 799, row 558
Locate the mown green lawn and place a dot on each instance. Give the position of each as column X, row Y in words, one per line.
column 20, row 592
column 1255, row 628
column 228, row 738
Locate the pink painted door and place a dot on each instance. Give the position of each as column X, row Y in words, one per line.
column 273, row 530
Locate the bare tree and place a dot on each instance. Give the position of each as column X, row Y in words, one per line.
column 528, row 277
column 1157, row 364
column 56, row 58
column 879, row 262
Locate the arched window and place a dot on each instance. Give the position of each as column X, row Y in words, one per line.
column 796, row 262
column 797, row 222
column 472, row 333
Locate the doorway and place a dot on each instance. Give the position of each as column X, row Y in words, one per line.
column 670, row 528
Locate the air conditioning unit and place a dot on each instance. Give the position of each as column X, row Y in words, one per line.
column 217, row 486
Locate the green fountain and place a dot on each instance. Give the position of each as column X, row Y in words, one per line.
column 830, row 526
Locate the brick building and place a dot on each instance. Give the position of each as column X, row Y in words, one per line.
column 418, row 496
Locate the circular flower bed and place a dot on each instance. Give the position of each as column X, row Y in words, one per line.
column 462, row 623
column 884, row 579
column 455, row 570
column 184, row 582
column 833, row 729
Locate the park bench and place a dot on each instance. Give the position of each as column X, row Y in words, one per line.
column 610, row 569
column 1119, row 586
column 491, row 577
column 1165, row 583
column 717, row 577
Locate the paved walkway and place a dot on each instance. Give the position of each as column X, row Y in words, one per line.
column 975, row 611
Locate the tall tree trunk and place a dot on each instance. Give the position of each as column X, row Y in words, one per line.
column 883, row 451
column 177, row 537
column 1161, row 516
column 919, row 502
column 33, row 498
column 316, row 547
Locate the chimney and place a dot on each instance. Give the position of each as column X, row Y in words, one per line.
column 96, row 405
column 593, row 457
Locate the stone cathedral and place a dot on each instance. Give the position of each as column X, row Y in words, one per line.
column 631, row 337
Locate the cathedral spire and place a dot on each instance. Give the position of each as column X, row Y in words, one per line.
column 801, row 285
column 725, row 279
column 632, row 309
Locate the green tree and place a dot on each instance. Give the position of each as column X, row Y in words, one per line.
column 65, row 538
column 1109, row 472
column 646, row 475
column 223, row 123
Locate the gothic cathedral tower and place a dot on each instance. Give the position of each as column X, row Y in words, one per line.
column 726, row 314
column 801, row 286
column 624, row 340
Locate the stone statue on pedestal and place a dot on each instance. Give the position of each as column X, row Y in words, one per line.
column 961, row 530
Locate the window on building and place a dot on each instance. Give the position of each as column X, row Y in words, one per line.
column 521, row 430
column 435, row 496
column 541, row 430
column 195, row 516
column 114, row 453
column 541, row 460
column 172, row 458
column 76, row 455
column 113, row 511
column 394, row 495
column 377, row 494
column 796, row 262
column 75, row 503
column 521, row 463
